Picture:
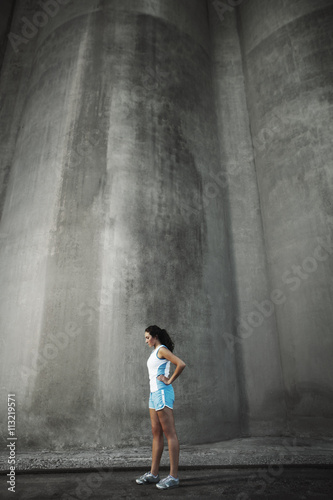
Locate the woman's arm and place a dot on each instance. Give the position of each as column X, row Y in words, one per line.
column 180, row 365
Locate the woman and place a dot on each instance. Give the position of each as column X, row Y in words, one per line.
column 161, row 405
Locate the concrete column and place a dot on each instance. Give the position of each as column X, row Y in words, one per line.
column 110, row 226
column 288, row 49
column 254, row 338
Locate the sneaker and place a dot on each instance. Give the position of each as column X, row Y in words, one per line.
column 147, row 478
column 167, row 483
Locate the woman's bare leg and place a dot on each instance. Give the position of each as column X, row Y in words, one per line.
column 167, row 422
column 158, row 441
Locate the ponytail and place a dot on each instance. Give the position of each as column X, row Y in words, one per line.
column 162, row 335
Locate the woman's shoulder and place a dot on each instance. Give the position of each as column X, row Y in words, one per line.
column 159, row 349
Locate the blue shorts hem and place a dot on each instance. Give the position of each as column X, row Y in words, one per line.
column 161, row 398
column 165, row 406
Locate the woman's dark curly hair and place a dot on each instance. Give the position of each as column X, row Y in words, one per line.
column 162, row 335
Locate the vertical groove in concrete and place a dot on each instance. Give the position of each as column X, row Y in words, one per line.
column 254, row 335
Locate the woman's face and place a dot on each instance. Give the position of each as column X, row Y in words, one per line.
column 150, row 340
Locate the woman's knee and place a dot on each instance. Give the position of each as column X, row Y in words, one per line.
column 156, row 431
column 171, row 434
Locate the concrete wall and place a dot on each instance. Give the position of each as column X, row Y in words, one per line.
column 7, row 7
column 255, row 334
column 164, row 162
column 107, row 227
column 287, row 49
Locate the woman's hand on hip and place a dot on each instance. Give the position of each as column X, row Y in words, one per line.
column 163, row 379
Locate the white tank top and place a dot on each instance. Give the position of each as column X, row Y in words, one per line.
column 156, row 367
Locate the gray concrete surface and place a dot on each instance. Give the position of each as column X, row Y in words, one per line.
column 119, row 123
column 262, row 414
column 5, row 20
column 234, row 452
column 288, row 68
column 227, row 484
column 239, row 469
column 111, row 150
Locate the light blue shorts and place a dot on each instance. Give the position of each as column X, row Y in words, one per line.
column 161, row 398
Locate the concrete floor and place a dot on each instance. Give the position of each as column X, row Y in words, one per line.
column 239, row 469
column 233, row 483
